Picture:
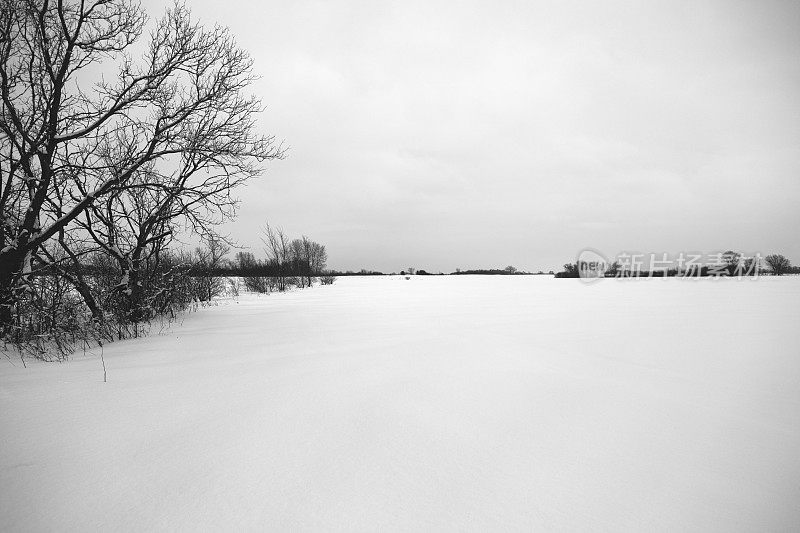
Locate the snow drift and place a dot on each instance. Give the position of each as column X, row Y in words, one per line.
column 431, row 403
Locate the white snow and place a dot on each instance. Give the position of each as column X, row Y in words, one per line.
column 435, row 403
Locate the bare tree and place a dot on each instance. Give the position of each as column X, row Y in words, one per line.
column 750, row 266
column 210, row 258
column 300, row 262
column 733, row 261
column 778, row 263
column 135, row 223
column 278, row 249
column 246, row 260
column 67, row 144
column 318, row 258
column 252, row 270
column 310, row 258
column 65, row 260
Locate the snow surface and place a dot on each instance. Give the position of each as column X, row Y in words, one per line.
column 435, row 403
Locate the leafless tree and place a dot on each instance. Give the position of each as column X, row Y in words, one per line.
column 178, row 115
column 210, row 258
column 779, row 264
column 294, row 261
column 252, row 270
column 279, row 253
column 733, row 261
column 309, row 259
column 246, row 260
column 66, row 260
column 300, row 262
column 318, row 258
column 750, row 266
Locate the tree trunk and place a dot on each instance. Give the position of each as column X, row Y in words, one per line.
column 88, row 298
column 10, row 265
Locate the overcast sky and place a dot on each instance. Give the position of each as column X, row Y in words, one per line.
column 480, row 134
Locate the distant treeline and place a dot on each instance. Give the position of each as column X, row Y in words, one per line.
column 507, row 271
column 271, row 269
column 494, row 272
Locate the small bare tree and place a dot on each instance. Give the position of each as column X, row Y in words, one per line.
column 779, row 264
column 279, row 252
column 252, row 270
column 327, row 278
column 210, row 259
column 318, row 258
column 300, row 262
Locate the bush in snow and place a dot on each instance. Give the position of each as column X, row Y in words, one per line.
column 327, row 279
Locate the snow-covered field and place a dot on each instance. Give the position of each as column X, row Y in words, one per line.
column 436, row 403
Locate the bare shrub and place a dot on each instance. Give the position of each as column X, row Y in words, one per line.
column 327, row 279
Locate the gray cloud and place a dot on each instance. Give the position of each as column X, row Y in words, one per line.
column 451, row 134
